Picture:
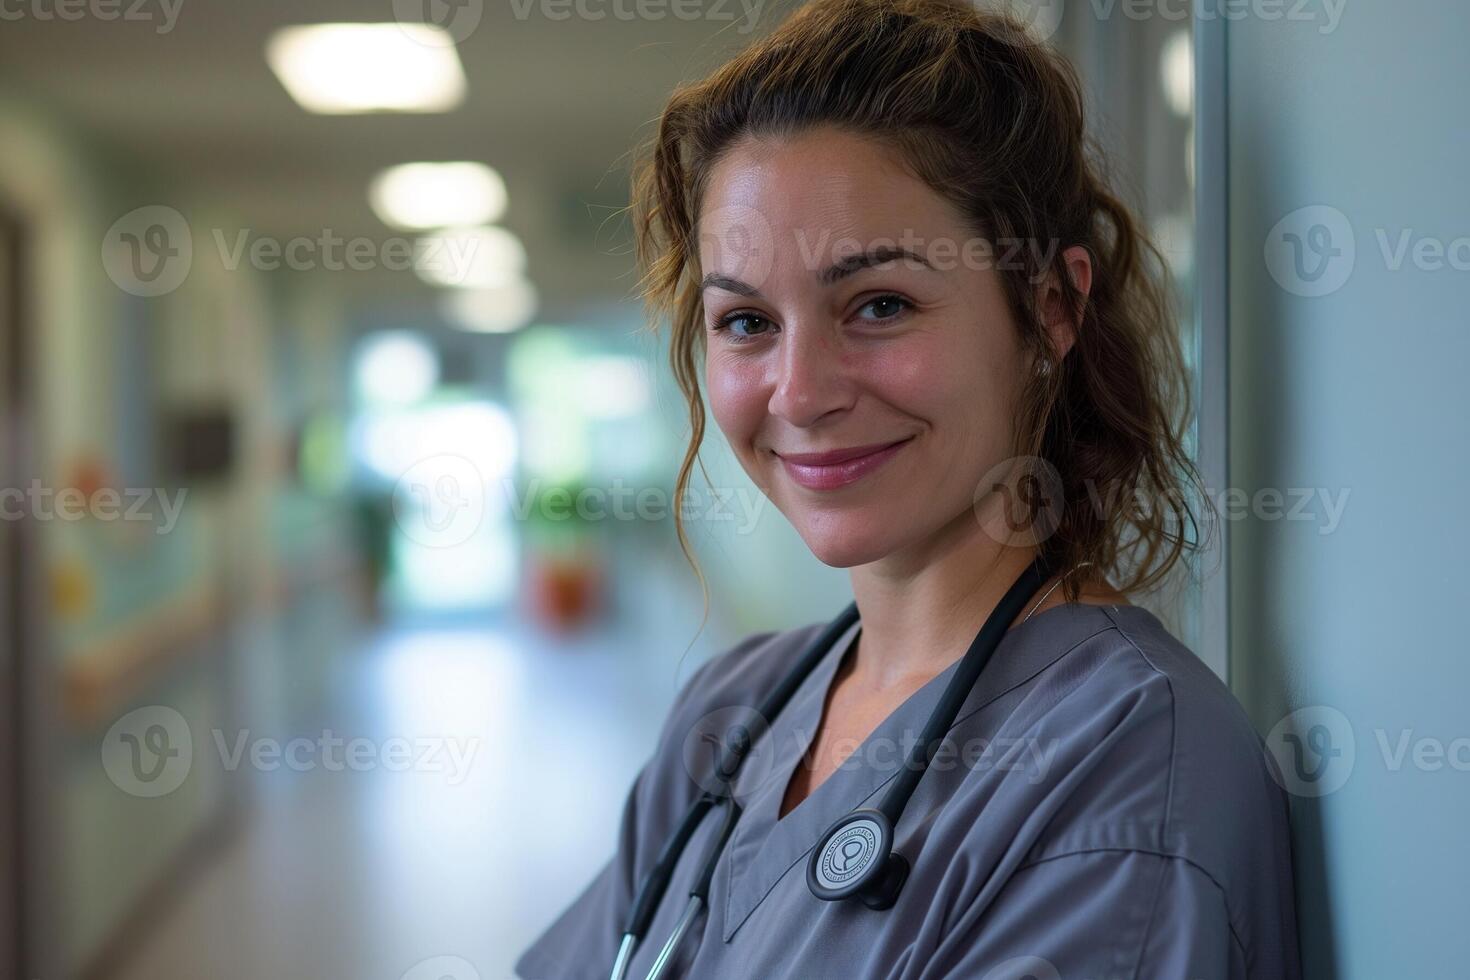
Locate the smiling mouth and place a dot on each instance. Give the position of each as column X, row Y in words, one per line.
column 839, row 467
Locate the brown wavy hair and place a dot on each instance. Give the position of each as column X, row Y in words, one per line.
column 991, row 119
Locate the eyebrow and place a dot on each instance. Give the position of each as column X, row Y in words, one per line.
column 834, row 273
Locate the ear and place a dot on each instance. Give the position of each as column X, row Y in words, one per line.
column 1062, row 323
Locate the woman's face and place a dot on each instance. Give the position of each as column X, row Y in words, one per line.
column 866, row 393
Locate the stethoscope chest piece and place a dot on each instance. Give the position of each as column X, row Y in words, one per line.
column 855, row 857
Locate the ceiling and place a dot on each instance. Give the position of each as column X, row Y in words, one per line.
column 555, row 105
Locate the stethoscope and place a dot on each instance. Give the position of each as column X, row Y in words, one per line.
column 855, row 856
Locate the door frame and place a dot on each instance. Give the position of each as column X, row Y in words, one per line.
column 1212, row 313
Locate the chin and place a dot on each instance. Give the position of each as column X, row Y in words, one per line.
column 846, row 540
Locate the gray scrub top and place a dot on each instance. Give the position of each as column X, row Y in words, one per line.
column 1101, row 808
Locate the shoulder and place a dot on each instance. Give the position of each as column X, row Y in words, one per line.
column 1210, row 757
column 1155, row 754
column 1133, row 658
column 1162, row 727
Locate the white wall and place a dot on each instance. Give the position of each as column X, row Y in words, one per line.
column 1364, row 390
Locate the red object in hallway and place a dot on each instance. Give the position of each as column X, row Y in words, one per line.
column 565, row 591
column 88, row 474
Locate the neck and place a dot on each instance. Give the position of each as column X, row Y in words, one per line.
column 922, row 608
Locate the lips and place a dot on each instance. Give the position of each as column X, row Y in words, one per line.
column 838, row 467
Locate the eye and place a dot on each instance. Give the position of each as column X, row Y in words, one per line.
column 743, row 326
column 894, row 304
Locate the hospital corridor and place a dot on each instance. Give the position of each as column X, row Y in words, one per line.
column 521, row 491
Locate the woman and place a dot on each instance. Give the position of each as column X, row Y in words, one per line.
column 940, row 344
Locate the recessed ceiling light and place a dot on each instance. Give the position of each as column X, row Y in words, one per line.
column 355, row 68
column 499, row 310
column 420, row 196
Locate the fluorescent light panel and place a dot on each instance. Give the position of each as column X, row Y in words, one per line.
column 421, row 196
column 357, row 68
column 500, row 310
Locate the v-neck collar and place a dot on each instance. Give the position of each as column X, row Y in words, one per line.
column 763, row 848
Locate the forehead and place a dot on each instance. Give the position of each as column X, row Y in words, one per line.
column 816, row 189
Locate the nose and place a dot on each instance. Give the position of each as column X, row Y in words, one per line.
column 810, row 378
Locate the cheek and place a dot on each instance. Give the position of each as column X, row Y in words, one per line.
column 737, row 398
column 962, row 383
column 914, row 375
column 940, row 376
